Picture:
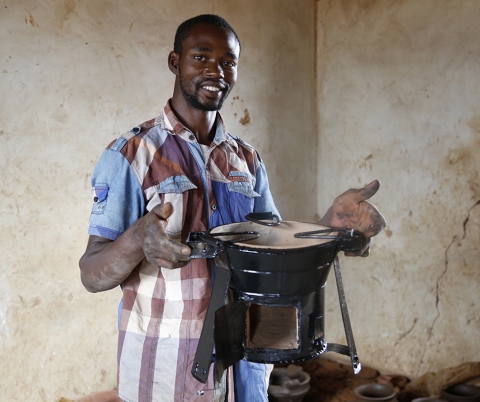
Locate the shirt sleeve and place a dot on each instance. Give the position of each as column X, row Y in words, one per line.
column 265, row 202
column 117, row 196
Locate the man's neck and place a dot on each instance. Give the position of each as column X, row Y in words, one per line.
column 200, row 122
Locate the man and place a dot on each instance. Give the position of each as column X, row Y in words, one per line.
column 178, row 173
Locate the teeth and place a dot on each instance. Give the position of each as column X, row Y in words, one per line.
column 214, row 89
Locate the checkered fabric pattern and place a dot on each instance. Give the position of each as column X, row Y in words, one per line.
column 163, row 310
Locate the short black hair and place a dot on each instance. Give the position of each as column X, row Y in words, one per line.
column 185, row 27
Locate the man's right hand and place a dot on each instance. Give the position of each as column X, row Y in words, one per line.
column 159, row 249
column 106, row 263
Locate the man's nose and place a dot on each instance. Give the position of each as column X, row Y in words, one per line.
column 214, row 69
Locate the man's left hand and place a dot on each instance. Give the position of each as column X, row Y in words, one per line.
column 352, row 210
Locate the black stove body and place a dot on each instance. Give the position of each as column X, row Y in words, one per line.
column 267, row 302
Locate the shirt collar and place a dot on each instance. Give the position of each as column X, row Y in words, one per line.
column 171, row 123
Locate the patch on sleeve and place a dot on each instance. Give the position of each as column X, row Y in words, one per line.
column 99, row 196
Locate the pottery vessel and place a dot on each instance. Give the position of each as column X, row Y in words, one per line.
column 288, row 384
column 427, row 399
column 461, row 393
column 375, row 392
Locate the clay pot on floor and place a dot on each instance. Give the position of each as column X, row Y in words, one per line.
column 461, row 393
column 375, row 392
column 288, row 384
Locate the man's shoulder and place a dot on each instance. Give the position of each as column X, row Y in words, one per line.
column 247, row 148
column 242, row 143
column 139, row 131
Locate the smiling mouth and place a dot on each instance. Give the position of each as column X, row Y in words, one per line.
column 212, row 89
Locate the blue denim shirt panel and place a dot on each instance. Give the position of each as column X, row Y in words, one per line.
column 237, row 199
column 243, row 187
column 176, row 184
column 121, row 201
column 250, row 381
column 198, row 156
column 220, row 133
column 265, row 202
column 233, row 205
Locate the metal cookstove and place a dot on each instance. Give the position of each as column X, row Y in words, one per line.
column 274, row 273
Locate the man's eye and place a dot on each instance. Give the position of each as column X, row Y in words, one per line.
column 199, row 58
column 230, row 64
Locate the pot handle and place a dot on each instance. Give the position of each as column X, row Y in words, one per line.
column 207, row 245
column 263, row 218
column 203, row 245
column 349, row 239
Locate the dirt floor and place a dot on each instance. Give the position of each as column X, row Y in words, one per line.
column 332, row 381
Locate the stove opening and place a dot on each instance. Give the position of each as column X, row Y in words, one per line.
column 271, row 327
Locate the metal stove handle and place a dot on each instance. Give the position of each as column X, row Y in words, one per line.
column 263, row 218
column 350, row 240
column 352, row 351
column 203, row 355
column 342, row 233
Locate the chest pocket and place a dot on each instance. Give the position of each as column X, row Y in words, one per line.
column 174, row 189
column 235, row 199
column 242, row 183
column 242, row 187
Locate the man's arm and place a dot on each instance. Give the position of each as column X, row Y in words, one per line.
column 106, row 264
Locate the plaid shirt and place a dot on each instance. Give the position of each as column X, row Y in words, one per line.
column 163, row 310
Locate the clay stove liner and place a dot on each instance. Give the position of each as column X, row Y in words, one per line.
column 271, row 327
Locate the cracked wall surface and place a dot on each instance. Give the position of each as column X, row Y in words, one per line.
column 399, row 101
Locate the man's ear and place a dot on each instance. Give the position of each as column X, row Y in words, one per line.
column 173, row 59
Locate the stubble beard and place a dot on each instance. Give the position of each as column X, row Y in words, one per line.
column 193, row 99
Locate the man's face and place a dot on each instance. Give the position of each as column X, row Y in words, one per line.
column 207, row 67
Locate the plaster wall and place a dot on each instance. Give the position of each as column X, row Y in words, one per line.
column 399, row 101
column 75, row 75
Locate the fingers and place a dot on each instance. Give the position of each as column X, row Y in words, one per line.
column 179, row 251
column 355, row 196
column 158, row 247
column 166, row 248
column 367, row 192
column 376, row 222
column 167, row 253
column 366, row 253
column 354, row 211
column 163, row 211
column 163, row 263
column 360, row 253
column 375, row 228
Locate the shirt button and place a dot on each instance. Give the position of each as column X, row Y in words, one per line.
column 214, row 207
column 191, row 137
column 136, row 130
